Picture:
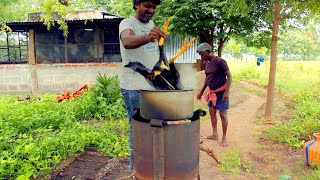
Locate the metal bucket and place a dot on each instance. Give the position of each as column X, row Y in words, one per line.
column 165, row 151
column 166, row 104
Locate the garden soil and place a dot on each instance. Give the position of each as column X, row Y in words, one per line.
column 259, row 158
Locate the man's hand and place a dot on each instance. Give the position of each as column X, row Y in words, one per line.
column 155, row 34
column 199, row 96
column 132, row 41
column 225, row 96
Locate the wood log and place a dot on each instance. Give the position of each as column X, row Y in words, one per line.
column 210, row 153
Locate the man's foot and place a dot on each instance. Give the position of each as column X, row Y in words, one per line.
column 224, row 142
column 213, row 137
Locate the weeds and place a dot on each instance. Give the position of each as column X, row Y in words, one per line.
column 299, row 83
column 299, row 118
column 232, row 163
column 38, row 133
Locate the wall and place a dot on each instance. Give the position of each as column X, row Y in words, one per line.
column 58, row 78
column 40, row 78
column 15, row 78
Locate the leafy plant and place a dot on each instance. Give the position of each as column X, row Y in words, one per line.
column 108, row 88
column 37, row 132
column 102, row 101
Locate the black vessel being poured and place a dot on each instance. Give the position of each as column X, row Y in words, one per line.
column 164, row 75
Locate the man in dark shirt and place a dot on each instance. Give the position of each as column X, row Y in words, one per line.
column 218, row 79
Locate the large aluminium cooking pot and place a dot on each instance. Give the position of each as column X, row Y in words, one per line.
column 166, row 104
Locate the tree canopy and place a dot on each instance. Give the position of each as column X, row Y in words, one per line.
column 282, row 10
column 17, row 10
column 123, row 8
column 213, row 21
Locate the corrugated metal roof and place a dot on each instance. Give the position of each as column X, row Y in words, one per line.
column 71, row 17
column 73, row 20
column 172, row 46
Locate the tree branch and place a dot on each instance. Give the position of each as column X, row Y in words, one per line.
column 286, row 8
column 223, row 40
column 271, row 8
column 285, row 16
column 283, row 13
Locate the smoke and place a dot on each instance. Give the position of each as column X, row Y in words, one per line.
column 187, row 76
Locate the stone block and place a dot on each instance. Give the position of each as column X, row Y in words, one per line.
column 24, row 87
column 13, row 87
column 3, row 87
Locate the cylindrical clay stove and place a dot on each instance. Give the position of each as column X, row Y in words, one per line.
column 165, row 142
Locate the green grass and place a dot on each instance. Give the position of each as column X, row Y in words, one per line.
column 231, row 163
column 297, row 117
column 299, row 83
column 38, row 132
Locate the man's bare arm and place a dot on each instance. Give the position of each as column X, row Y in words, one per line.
column 226, row 92
column 204, row 86
column 132, row 41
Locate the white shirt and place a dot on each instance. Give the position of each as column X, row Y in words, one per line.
column 147, row 54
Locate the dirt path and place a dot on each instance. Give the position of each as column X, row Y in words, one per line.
column 241, row 118
column 259, row 158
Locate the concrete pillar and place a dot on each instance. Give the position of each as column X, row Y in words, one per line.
column 66, row 58
column 98, row 44
column 198, row 65
column 34, row 79
column 31, row 48
column 32, row 62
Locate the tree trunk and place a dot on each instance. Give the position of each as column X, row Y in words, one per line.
column 206, row 38
column 220, row 46
column 220, row 50
column 273, row 63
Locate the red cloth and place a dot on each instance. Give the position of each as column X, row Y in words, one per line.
column 211, row 95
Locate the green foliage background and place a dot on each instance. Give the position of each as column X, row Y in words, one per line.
column 298, row 82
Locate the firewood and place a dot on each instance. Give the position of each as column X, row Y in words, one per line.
column 210, row 153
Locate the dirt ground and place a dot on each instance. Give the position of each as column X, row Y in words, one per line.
column 260, row 159
column 92, row 165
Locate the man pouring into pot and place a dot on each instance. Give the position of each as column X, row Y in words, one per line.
column 138, row 43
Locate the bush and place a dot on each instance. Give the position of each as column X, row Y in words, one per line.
column 38, row 132
column 247, row 73
column 103, row 101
